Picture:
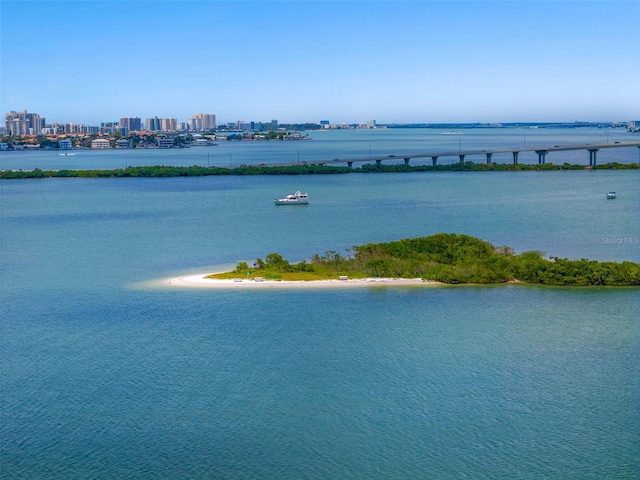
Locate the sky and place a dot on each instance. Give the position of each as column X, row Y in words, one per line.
column 392, row 61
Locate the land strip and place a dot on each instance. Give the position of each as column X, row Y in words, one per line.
column 302, row 169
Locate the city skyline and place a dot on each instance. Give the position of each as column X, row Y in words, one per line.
column 32, row 123
column 23, row 123
column 395, row 61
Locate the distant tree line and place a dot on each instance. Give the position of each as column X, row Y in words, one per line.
column 298, row 169
column 301, row 126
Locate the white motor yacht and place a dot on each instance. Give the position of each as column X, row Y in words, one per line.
column 297, row 198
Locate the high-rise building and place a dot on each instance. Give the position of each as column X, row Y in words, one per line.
column 111, row 127
column 36, row 122
column 152, row 124
column 131, row 123
column 203, row 121
column 16, row 123
column 156, row 124
column 168, row 124
column 23, row 123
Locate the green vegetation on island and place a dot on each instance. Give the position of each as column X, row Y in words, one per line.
column 299, row 169
column 446, row 258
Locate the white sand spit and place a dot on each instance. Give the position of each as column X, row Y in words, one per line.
column 201, row 281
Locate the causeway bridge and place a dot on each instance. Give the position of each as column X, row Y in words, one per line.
column 541, row 151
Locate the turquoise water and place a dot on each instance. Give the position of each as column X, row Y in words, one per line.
column 105, row 375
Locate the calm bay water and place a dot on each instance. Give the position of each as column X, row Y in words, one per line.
column 105, row 375
column 327, row 145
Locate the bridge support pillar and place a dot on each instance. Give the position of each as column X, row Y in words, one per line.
column 489, row 158
column 515, row 158
column 434, row 160
column 639, row 157
column 350, row 164
column 406, row 161
column 461, row 158
column 592, row 156
column 378, row 162
column 541, row 156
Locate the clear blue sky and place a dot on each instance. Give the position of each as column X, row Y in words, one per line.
column 392, row 61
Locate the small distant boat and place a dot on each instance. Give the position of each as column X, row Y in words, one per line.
column 297, row 198
column 611, row 195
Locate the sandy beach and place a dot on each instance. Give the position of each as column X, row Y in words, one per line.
column 201, row 281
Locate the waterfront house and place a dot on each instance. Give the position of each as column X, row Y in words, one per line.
column 100, row 143
column 65, row 144
column 165, row 142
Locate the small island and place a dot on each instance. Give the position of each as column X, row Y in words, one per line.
column 444, row 258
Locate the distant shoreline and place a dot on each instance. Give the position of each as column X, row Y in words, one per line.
column 158, row 171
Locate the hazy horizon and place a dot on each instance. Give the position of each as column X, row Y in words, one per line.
column 346, row 62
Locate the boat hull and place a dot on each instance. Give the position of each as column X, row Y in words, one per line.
column 282, row 201
column 297, row 198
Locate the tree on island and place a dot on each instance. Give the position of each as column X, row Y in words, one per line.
column 447, row 258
